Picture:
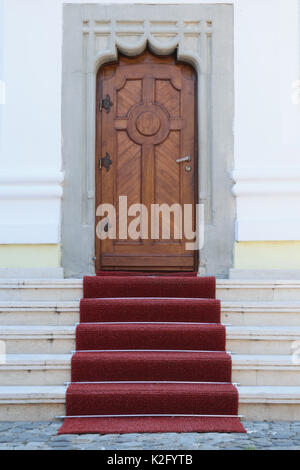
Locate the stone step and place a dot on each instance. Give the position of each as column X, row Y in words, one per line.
column 35, row 369
column 268, row 340
column 269, row 403
column 71, row 289
column 32, row 403
column 61, row 339
column 54, row 369
column 40, row 290
column 43, row 403
column 247, row 290
column 39, row 313
column 270, row 313
column 60, row 313
column 265, row 370
column 38, row 339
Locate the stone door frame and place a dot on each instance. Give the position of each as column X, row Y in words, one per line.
column 202, row 35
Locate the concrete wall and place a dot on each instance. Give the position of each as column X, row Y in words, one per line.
column 266, row 129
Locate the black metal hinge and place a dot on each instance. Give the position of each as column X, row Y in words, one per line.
column 106, row 104
column 106, row 162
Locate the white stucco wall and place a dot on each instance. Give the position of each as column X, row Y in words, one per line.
column 266, row 129
column 267, row 138
column 30, row 147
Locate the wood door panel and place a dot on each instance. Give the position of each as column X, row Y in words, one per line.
column 173, row 262
column 127, row 96
column 167, row 180
column 128, row 169
column 150, row 124
column 167, row 171
column 167, row 95
column 128, row 177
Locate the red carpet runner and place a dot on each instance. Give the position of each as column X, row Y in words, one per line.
column 150, row 357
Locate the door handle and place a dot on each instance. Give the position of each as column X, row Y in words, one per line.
column 187, row 158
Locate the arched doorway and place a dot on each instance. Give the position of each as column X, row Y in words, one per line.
column 146, row 163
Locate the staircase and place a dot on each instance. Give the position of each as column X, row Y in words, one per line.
column 37, row 325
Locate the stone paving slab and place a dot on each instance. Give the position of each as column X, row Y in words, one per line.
column 43, row 436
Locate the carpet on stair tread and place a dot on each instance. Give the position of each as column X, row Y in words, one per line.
column 170, row 310
column 152, row 398
column 107, row 287
column 151, row 365
column 151, row 425
column 208, row 337
column 118, row 340
column 147, row 273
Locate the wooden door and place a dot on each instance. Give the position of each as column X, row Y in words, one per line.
column 146, row 119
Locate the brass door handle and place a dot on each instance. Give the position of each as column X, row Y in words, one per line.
column 187, row 158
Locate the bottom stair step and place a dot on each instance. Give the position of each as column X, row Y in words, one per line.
column 150, row 424
column 151, row 398
column 43, row 403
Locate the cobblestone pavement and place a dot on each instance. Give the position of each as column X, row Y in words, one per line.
column 43, row 436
